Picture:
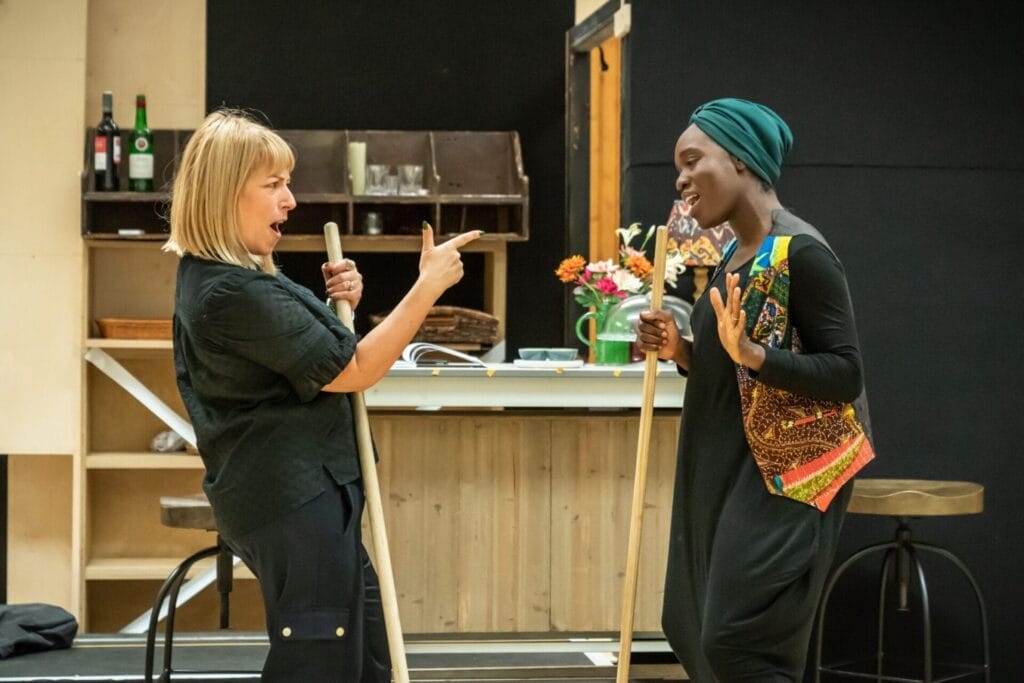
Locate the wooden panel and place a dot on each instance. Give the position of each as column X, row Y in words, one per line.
column 39, row 567
column 171, row 71
column 124, row 514
column 130, row 282
column 468, row 519
column 592, row 470
column 119, row 422
column 113, row 604
column 496, row 286
column 40, row 254
column 39, row 354
column 605, row 148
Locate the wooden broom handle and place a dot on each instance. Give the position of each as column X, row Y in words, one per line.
column 640, row 477
column 371, row 489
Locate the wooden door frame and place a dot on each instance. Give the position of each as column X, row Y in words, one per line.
column 579, row 41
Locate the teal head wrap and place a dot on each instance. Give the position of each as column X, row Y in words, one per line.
column 750, row 131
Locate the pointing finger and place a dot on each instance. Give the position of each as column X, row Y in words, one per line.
column 464, row 238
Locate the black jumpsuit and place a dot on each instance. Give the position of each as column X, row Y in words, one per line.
column 745, row 567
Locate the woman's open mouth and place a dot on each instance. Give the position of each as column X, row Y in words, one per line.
column 276, row 227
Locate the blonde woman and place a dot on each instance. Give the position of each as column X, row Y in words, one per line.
column 265, row 369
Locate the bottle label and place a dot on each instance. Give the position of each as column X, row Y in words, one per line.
column 141, row 144
column 140, row 166
column 117, row 150
column 100, row 156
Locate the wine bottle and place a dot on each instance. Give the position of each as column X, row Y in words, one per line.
column 140, row 151
column 107, row 148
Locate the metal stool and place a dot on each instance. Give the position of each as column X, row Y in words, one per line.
column 190, row 512
column 903, row 499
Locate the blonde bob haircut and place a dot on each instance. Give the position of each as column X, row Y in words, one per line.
column 220, row 156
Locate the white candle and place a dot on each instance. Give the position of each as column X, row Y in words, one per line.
column 357, row 166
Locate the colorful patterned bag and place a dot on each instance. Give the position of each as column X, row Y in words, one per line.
column 806, row 448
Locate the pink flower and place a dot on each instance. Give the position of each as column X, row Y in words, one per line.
column 606, row 266
column 607, row 286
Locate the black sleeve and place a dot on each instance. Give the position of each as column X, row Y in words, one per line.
column 821, row 312
column 259, row 319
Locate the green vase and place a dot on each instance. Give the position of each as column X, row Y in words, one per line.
column 613, row 339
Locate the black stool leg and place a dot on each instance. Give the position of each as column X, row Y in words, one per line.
column 171, row 585
column 225, row 580
column 977, row 594
column 827, row 592
column 926, row 611
column 880, row 630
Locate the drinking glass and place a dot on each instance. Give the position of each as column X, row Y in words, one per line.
column 375, row 178
column 410, row 179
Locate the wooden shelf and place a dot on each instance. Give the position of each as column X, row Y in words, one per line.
column 142, row 461
column 139, row 344
column 146, row 197
column 148, row 568
column 313, row 243
column 480, row 199
column 461, row 168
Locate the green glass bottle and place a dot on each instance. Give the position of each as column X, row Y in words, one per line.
column 140, row 151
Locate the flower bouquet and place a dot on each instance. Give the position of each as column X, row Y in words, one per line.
column 605, row 283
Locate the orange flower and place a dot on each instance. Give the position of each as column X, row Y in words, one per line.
column 639, row 265
column 570, row 268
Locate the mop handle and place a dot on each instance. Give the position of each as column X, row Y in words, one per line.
column 371, row 489
column 640, row 477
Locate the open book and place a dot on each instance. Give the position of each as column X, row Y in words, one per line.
column 425, row 354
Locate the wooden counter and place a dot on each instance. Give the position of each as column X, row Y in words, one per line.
column 518, row 521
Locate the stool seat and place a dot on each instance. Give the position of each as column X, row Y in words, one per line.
column 916, row 497
column 187, row 512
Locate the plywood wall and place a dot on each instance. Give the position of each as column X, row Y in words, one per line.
column 157, row 48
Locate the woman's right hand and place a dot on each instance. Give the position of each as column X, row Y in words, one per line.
column 441, row 266
column 657, row 331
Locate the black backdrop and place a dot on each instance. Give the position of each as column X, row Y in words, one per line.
column 906, row 117
column 908, row 156
column 381, row 64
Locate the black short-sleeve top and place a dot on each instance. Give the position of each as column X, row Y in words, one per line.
column 252, row 352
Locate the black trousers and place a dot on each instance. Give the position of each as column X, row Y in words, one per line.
column 322, row 599
column 740, row 596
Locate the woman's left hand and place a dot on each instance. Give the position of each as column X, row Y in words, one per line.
column 343, row 282
column 732, row 322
